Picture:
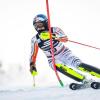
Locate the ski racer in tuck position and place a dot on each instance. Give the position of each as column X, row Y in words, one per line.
column 63, row 56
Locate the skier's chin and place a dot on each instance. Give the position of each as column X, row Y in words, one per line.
column 41, row 29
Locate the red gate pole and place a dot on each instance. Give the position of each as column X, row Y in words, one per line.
column 51, row 44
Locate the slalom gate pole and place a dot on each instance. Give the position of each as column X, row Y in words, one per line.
column 84, row 44
column 51, row 44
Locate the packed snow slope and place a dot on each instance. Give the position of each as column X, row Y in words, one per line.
column 50, row 93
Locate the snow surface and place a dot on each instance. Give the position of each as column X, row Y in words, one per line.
column 49, row 93
column 79, row 19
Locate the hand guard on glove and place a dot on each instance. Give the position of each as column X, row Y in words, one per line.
column 33, row 69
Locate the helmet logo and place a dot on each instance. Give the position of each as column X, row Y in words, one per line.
column 38, row 19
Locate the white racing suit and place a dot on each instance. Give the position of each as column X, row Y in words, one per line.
column 61, row 53
column 63, row 56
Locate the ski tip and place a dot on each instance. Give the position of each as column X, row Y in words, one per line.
column 95, row 85
column 73, row 86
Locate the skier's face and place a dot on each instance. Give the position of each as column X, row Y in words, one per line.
column 39, row 26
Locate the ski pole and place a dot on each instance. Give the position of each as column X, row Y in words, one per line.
column 84, row 44
column 51, row 44
column 34, row 81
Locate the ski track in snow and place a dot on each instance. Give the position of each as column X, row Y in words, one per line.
column 50, row 93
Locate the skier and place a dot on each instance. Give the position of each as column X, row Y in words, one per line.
column 63, row 56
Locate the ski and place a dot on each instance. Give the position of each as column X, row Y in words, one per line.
column 77, row 86
column 95, row 85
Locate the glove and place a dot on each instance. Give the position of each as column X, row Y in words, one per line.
column 33, row 69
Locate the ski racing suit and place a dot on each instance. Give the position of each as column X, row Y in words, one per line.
column 63, row 56
column 61, row 53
